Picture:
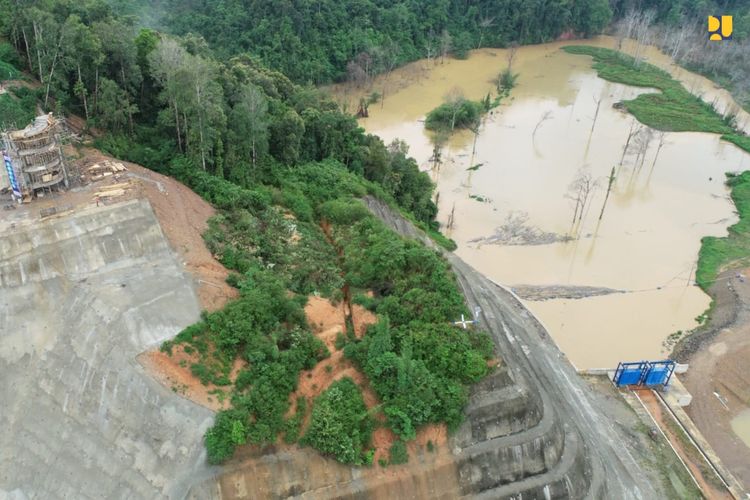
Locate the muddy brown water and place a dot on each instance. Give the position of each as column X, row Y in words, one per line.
column 530, row 149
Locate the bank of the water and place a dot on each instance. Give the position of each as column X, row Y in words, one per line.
column 732, row 250
column 530, row 149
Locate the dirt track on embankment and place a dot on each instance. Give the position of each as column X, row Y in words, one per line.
column 719, row 358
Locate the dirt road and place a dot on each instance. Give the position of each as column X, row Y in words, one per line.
column 719, row 373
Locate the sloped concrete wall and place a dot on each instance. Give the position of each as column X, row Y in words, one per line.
column 80, row 297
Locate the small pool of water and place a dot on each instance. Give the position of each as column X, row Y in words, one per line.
column 741, row 426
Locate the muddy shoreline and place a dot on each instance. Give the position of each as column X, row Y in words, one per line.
column 723, row 314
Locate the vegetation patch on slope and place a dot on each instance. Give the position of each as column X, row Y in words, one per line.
column 308, row 233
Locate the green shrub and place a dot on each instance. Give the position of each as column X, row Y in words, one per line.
column 506, row 80
column 340, row 425
column 398, row 453
column 293, row 426
column 16, row 112
column 225, row 435
column 343, row 211
column 462, row 113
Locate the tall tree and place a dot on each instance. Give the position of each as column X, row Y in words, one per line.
column 249, row 124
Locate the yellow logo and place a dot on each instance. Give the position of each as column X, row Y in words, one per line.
column 719, row 28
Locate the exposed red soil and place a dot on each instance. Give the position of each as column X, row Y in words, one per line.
column 174, row 372
column 327, row 322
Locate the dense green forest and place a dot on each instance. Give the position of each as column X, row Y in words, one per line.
column 315, row 40
column 159, row 98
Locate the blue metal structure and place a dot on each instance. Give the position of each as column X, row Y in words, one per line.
column 645, row 373
column 630, row 373
column 659, row 373
column 11, row 175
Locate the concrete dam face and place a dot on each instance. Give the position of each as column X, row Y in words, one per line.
column 83, row 294
column 80, row 297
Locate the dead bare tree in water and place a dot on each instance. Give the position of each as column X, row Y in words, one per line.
column 662, row 135
column 624, row 29
column 438, row 143
column 642, row 141
column 596, row 115
column 631, row 133
column 580, row 191
column 512, row 50
column 546, row 116
column 451, row 218
column 642, row 34
column 363, row 109
column 610, row 182
column 474, row 130
column 455, row 100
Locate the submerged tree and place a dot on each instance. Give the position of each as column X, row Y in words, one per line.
column 633, row 130
column 580, row 191
column 439, row 139
column 610, row 182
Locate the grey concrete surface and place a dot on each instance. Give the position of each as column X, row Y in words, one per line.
column 80, row 297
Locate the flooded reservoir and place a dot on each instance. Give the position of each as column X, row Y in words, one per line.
column 610, row 288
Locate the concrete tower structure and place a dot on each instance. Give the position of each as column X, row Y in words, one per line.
column 33, row 158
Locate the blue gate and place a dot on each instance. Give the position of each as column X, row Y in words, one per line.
column 630, row 373
column 659, row 373
column 644, row 373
